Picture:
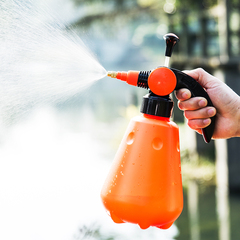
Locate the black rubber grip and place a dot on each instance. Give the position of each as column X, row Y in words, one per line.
column 185, row 81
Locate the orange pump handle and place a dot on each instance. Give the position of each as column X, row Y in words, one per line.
column 162, row 81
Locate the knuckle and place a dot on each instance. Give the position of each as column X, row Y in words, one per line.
column 178, row 94
column 188, row 114
column 198, row 123
column 201, row 70
column 192, row 124
column 180, row 105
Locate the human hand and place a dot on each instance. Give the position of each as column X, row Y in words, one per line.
column 225, row 101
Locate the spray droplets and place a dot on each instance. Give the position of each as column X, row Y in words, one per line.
column 157, row 143
column 130, row 138
column 41, row 62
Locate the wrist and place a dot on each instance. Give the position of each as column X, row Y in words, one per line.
column 238, row 119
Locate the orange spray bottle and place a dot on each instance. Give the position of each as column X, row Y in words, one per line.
column 144, row 185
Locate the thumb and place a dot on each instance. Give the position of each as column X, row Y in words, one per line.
column 205, row 79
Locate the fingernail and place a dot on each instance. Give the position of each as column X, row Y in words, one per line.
column 202, row 103
column 207, row 121
column 185, row 95
column 211, row 112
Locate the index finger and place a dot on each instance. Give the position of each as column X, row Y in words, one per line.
column 183, row 94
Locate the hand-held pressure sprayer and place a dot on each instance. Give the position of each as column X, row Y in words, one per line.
column 144, row 185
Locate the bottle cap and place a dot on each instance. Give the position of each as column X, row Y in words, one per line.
column 156, row 105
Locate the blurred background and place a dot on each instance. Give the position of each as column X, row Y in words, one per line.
column 61, row 120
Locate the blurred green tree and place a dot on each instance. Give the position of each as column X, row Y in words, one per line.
column 130, row 10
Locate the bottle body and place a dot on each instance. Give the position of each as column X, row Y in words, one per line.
column 144, row 185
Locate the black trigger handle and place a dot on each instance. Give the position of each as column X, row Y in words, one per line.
column 185, row 81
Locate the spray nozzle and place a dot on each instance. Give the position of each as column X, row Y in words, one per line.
column 161, row 81
column 135, row 78
column 112, row 74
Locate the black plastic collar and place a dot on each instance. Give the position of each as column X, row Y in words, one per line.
column 156, row 105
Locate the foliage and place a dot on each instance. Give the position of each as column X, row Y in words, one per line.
column 92, row 232
column 129, row 10
column 201, row 170
column 195, row 4
column 119, row 10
